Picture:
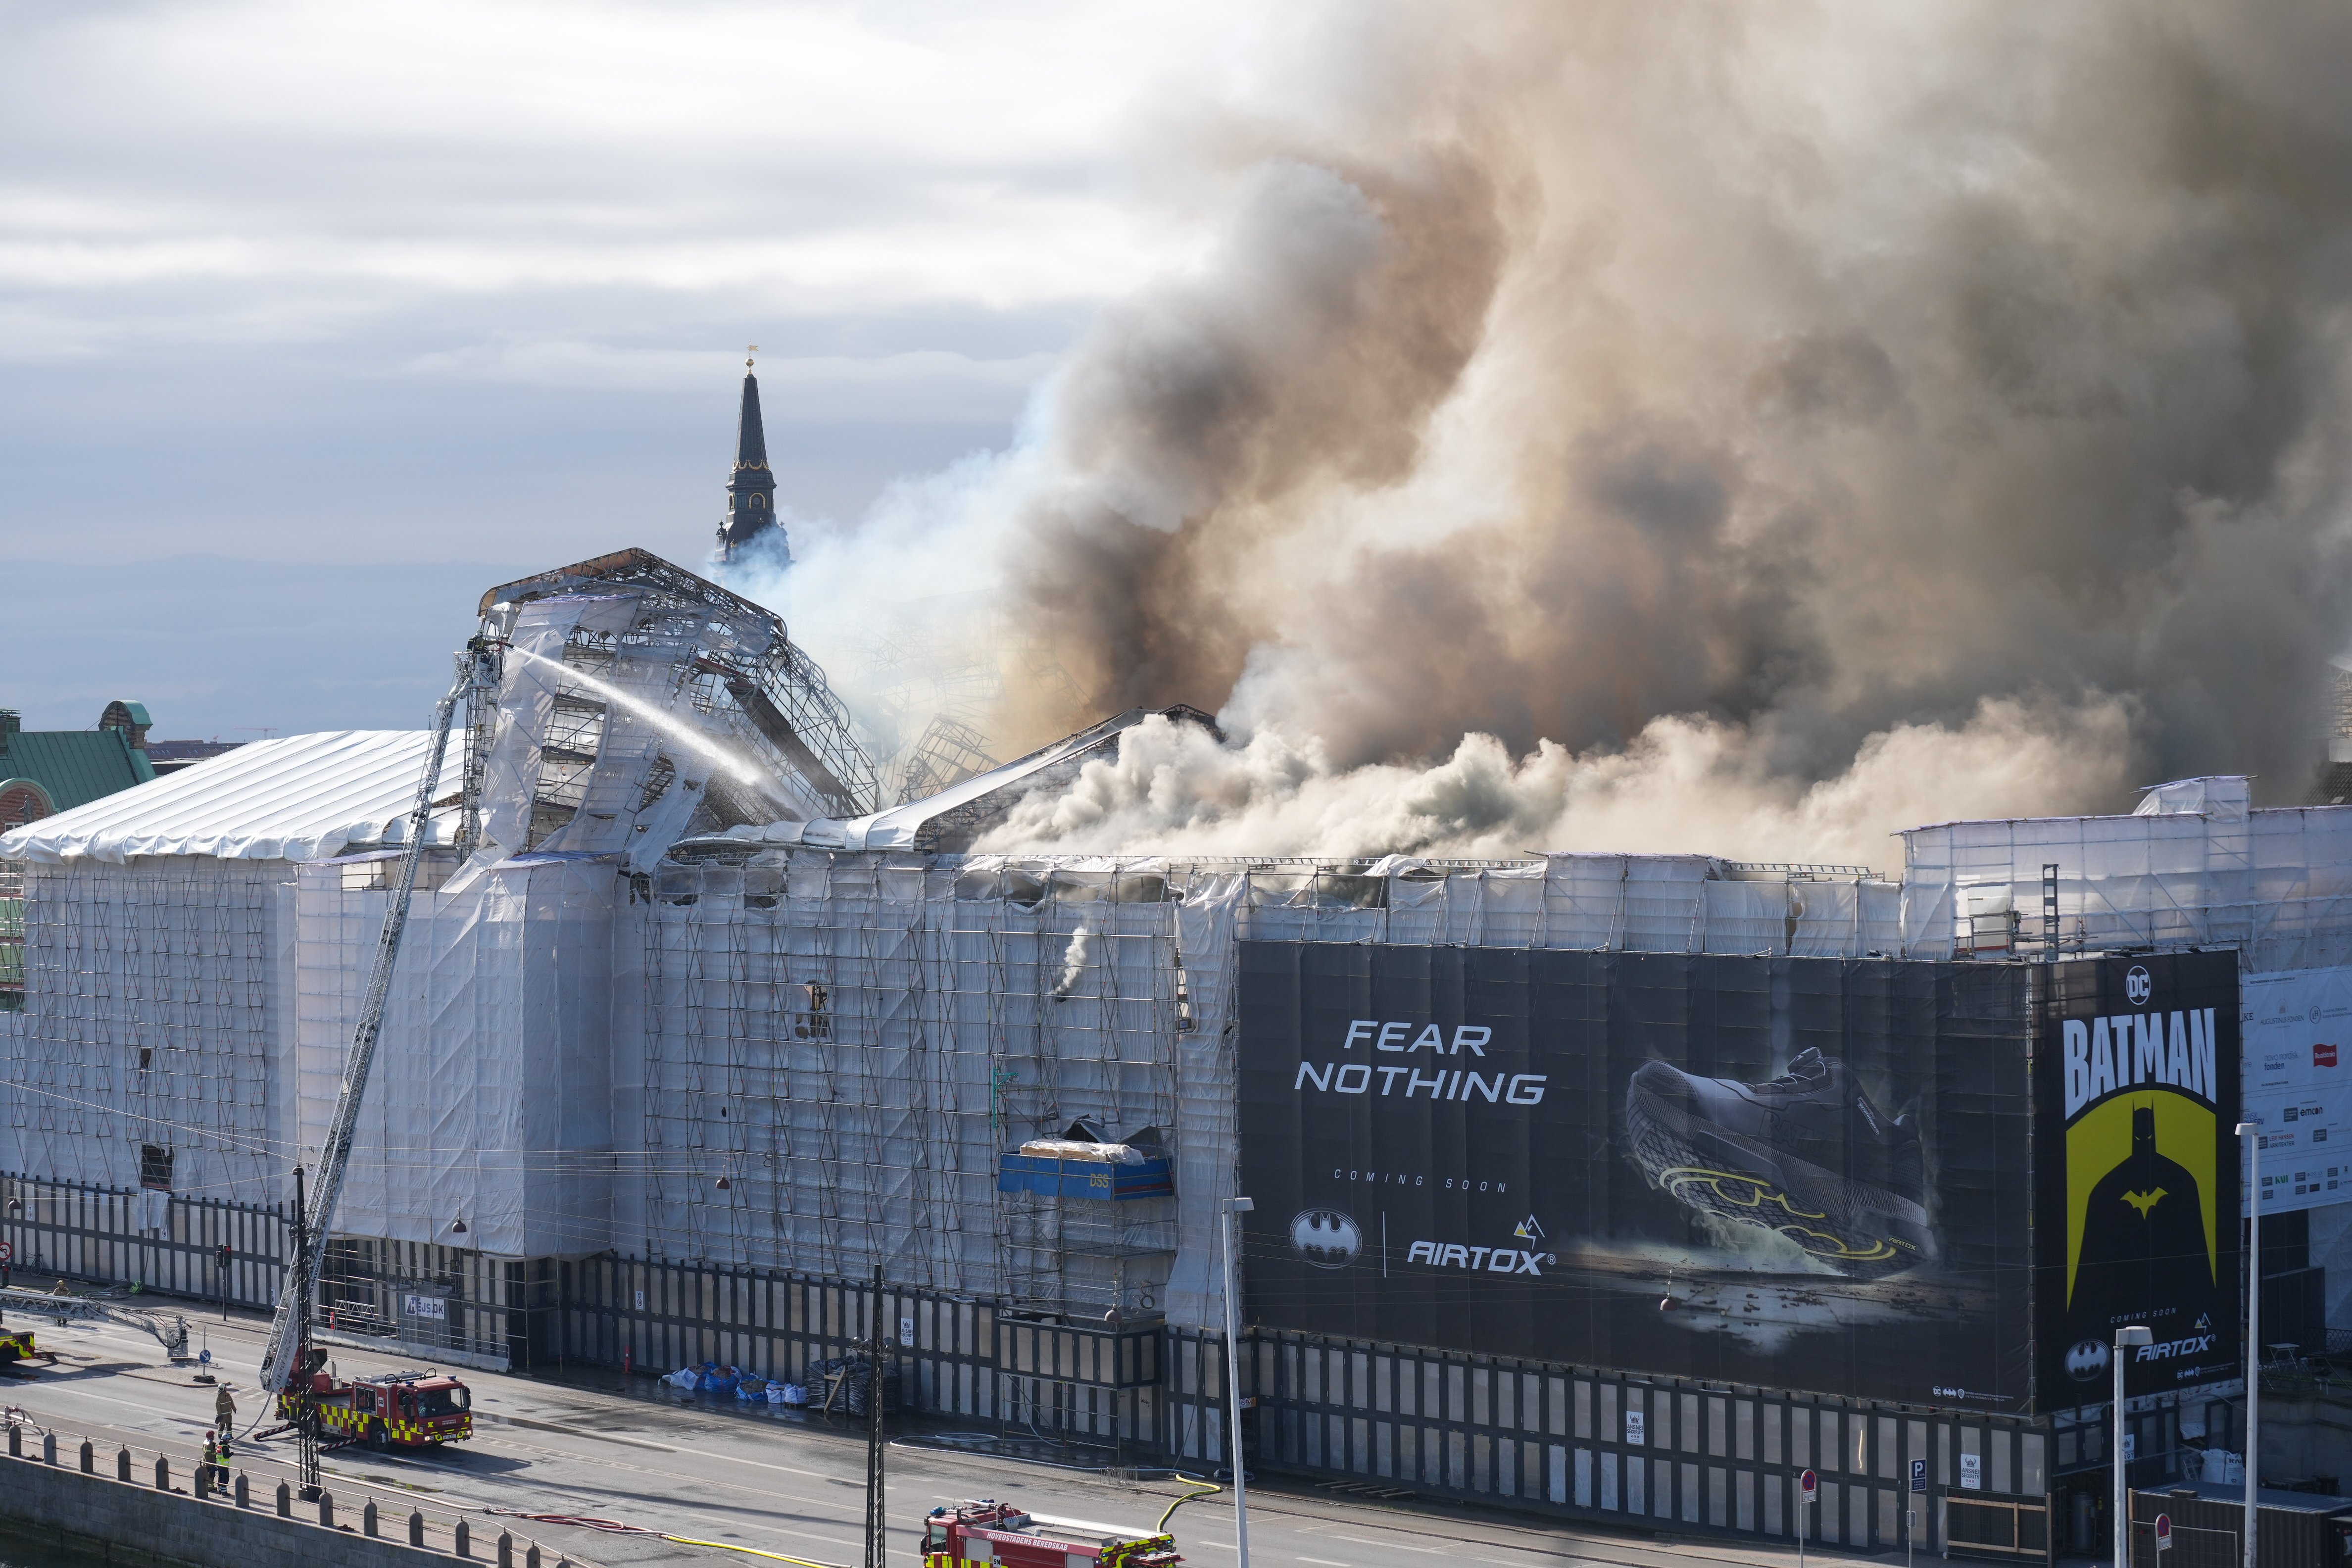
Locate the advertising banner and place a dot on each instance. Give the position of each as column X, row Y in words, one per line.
column 1804, row 1174
column 2137, row 1172
column 2298, row 1083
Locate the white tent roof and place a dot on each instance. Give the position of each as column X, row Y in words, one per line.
column 303, row 797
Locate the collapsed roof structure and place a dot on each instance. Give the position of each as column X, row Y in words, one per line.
column 626, row 701
column 950, row 821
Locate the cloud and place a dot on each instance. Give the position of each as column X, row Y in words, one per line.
column 921, row 386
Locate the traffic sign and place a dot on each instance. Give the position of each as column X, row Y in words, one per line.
column 8, row 1252
column 1810, row 1484
column 2164, row 1532
column 1919, row 1475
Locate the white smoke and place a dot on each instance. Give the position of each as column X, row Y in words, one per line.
column 1075, row 959
column 1685, row 785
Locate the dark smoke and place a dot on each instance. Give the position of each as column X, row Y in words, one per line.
column 1818, row 374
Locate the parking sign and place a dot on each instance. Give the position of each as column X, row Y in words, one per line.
column 1810, row 1484
column 1919, row 1475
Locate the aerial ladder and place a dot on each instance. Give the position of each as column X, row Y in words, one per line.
column 290, row 1363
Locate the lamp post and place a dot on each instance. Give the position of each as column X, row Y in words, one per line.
column 2251, row 1132
column 2126, row 1338
column 1235, row 1208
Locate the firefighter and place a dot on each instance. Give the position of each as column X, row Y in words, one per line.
column 224, row 1409
column 212, row 1458
column 220, row 1470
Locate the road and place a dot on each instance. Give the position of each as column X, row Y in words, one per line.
column 632, row 1450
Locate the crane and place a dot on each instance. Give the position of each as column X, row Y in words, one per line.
column 170, row 1331
column 286, row 1366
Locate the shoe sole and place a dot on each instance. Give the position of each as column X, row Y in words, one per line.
column 1744, row 1198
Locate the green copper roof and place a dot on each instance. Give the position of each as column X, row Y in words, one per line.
column 74, row 767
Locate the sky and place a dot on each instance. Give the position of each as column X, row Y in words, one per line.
column 437, row 294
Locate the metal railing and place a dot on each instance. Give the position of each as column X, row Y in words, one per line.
column 477, row 1534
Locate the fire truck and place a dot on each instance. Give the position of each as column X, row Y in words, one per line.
column 407, row 1409
column 986, row 1531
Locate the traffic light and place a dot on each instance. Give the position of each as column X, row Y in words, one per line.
column 221, row 1256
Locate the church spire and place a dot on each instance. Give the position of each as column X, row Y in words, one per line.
column 752, row 488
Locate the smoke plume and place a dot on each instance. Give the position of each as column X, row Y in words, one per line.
column 1707, row 427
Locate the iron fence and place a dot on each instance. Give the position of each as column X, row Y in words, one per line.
column 157, row 1240
column 1586, row 1443
column 664, row 1314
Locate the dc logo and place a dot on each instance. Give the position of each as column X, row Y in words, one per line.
column 1326, row 1237
column 2138, row 985
column 2314, row 1011
column 2086, row 1361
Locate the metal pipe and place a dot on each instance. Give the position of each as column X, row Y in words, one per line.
column 2126, row 1338
column 1234, row 1208
column 2251, row 1132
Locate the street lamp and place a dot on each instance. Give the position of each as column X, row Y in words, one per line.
column 1233, row 1388
column 2126, row 1338
column 2251, row 1132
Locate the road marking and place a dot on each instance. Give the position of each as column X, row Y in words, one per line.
column 1326, row 1563
column 1389, row 1545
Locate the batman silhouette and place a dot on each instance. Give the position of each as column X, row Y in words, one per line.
column 2143, row 1238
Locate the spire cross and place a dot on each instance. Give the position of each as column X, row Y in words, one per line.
column 753, row 347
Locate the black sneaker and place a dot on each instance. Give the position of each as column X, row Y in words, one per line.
column 1805, row 1154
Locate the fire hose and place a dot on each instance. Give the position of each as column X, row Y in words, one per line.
column 619, row 1527
column 1207, row 1489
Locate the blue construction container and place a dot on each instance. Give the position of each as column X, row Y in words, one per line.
column 1052, row 1178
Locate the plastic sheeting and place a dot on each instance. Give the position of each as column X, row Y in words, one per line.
column 2277, row 884
column 157, row 994
column 489, row 1101
column 848, row 1043
column 1628, row 903
column 652, row 756
column 600, row 745
column 298, row 798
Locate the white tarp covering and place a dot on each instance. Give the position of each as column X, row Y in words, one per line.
column 2298, row 1083
column 157, row 998
column 301, row 797
column 2275, row 884
column 490, row 1102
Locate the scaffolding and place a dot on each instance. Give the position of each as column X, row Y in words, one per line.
column 744, row 675
column 839, row 1048
column 154, row 993
column 12, row 936
column 2194, row 867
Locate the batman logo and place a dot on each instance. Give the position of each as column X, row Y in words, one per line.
column 2087, row 1361
column 1326, row 1237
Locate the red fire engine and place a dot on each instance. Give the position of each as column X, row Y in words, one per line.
column 990, row 1533
column 412, row 1409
